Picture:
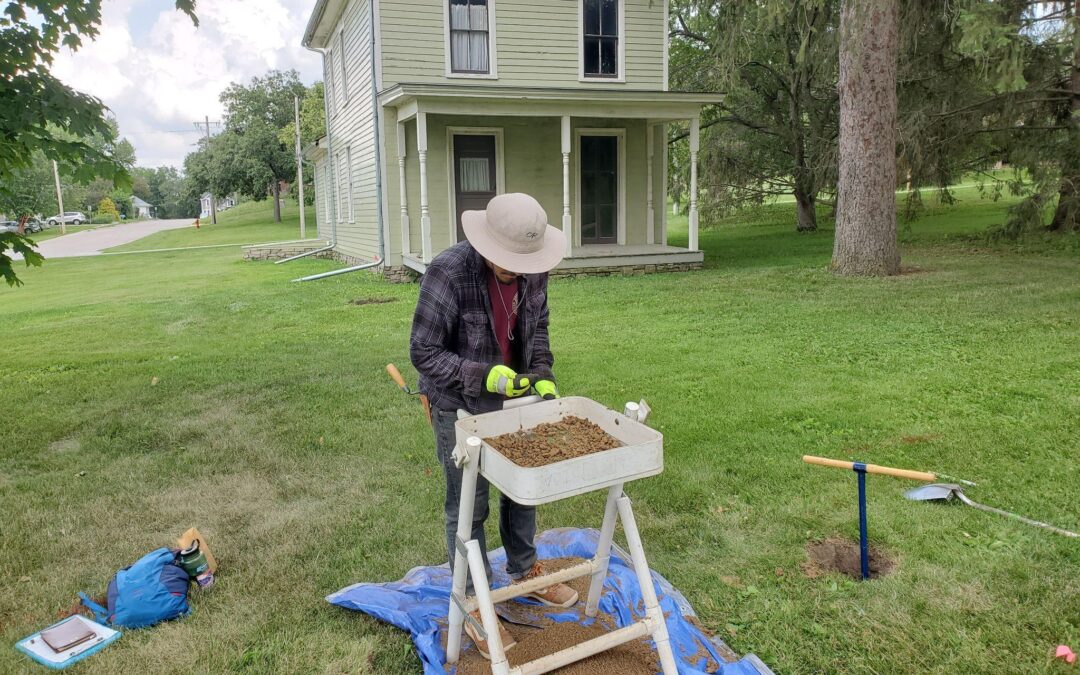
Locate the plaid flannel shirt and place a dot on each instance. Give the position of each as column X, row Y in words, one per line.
column 453, row 340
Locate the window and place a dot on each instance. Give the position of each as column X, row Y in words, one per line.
column 341, row 59
column 349, row 182
column 327, row 187
column 337, row 187
column 600, row 38
column 469, row 36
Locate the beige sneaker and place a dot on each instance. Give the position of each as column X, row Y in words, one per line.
column 555, row 595
column 482, row 645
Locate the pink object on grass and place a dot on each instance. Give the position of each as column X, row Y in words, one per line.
column 1065, row 654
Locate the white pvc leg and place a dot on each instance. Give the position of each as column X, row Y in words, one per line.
column 499, row 664
column 603, row 550
column 461, row 565
column 648, row 592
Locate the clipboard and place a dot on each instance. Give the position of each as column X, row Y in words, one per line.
column 34, row 647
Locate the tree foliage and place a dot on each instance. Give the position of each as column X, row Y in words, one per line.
column 249, row 157
column 41, row 114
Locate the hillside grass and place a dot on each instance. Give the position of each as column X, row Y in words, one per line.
column 150, row 393
column 245, row 223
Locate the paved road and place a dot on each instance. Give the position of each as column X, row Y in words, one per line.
column 93, row 242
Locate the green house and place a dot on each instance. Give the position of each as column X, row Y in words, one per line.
column 435, row 106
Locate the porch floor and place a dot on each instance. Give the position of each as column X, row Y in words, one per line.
column 606, row 255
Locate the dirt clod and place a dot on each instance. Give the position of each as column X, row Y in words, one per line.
column 371, row 301
column 841, row 555
column 553, row 442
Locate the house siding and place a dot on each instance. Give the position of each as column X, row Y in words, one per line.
column 352, row 133
column 537, row 44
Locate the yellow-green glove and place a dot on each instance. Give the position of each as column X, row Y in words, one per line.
column 546, row 389
column 503, row 380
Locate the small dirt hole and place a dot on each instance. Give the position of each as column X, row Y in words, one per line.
column 371, row 301
column 842, row 555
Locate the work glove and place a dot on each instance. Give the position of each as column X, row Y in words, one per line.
column 503, row 380
column 546, row 389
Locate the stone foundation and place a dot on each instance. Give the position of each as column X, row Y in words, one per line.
column 625, row 270
column 396, row 275
column 284, row 249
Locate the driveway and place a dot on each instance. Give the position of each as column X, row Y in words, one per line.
column 93, row 242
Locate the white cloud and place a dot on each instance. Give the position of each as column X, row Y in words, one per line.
column 161, row 76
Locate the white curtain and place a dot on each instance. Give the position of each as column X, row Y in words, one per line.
column 469, row 37
column 475, row 176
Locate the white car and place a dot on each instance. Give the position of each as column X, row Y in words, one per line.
column 69, row 218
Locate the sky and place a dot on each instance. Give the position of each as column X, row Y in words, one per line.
column 159, row 74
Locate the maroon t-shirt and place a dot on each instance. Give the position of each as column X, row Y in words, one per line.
column 504, row 312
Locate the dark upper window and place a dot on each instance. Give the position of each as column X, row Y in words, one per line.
column 600, row 41
column 469, row 36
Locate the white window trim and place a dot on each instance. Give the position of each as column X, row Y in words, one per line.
column 620, row 133
column 349, row 182
column 337, row 188
column 500, row 166
column 493, row 61
column 327, row 182
column 582, row 77
column 342, row 66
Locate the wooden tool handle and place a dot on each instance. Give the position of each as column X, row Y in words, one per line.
column 395, row 375
column 872, row 468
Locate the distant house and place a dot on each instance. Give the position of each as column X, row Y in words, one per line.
column 429, row 113
column 142, row 209
column 223, row 204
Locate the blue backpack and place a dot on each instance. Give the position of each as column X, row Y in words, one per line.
column 152, row 590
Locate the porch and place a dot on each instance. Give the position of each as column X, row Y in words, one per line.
column 596, row 160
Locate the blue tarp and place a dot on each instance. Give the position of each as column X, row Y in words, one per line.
column 419, row 602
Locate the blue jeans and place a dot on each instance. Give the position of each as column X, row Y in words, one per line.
column 517, row 523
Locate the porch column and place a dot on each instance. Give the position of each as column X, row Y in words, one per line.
column 695, row 133
column 425, row 217
column 650, row 217
column 567, row 219
column 405, row 245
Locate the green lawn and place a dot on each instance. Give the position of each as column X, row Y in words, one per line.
column 51, row 232
column 246, row 223
column 273, row 427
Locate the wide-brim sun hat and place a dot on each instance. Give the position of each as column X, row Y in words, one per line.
column 513, row 233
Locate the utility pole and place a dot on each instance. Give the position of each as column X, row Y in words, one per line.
column 299, row 166
column 59, row 197
column 213, row 200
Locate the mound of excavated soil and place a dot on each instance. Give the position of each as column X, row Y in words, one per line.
column 633, row 658
column 553, row 442
column 841, row 555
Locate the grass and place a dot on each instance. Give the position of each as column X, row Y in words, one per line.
column 246, row 223
column 52, row 232
column 272, row 426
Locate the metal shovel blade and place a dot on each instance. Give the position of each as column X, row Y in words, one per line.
column 933, row 492
column 948, row 491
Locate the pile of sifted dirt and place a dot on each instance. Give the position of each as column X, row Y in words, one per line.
column 841, row 555
column 637, row 657
column 553, row 442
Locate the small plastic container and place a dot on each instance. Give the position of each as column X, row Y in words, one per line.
column 641, row 455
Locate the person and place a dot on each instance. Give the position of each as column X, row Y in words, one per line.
column 479, row 337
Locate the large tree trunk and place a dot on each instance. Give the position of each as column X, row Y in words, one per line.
column 866, row 203
column 277, row 201
column 1067, row 214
